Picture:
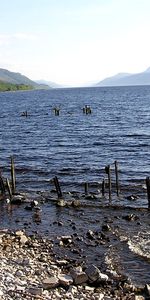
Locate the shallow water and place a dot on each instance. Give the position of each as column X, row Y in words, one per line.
column 124, row 248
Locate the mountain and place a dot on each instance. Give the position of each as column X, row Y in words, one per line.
column 49, row 83
column 17, row 78
column 125, row 79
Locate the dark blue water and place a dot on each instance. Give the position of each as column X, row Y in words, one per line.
column 74, row 146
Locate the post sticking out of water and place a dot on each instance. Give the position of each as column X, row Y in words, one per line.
column 57, row 186
column 108, row 172
column 2, row 185
column 87, row 109
column 103, row 187
column 148, row 190
column 13, row 177
column 117, row 178
column 86, row 186
column 9, row 188
column 56, row 111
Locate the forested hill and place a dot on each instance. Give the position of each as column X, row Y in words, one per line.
column 4, row 87
column 16, row 81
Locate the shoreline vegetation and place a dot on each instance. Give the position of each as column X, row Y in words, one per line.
column 6, row 87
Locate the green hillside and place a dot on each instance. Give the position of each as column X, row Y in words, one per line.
column 11, row 81
column 4, row 87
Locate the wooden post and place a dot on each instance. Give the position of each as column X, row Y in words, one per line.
column 148, row 190
column 86, row 186
column 117, row 178
column 13, row 177
column 103, row 187
column 57, row 186
column 2, row 185
column 9, row 188
column 56, row 110
column 108, row 172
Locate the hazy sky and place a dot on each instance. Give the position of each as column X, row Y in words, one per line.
column 74, row 41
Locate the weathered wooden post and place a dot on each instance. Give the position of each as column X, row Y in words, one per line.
column 2, row 185
column 117, row 178
column 86, row 187
column 9, row 188
column 108, row 172
column 57, row 186
column 56, row 111
column 13, row 177
column 103, row 187
column 148, row 190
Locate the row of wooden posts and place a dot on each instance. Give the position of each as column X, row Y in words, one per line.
column 103, row 185
column 6, row 186
column 86, row 110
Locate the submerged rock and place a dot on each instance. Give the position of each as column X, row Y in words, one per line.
column 61, row 203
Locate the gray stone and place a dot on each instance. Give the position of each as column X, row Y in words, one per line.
column 19, row 273
column 103, row 277
column 79, row 276
column 35, row 290
column 65, row 279
column 61, row 203
column 50, row 282
column 93, row 273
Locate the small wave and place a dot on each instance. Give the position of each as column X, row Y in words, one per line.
column 140, row 244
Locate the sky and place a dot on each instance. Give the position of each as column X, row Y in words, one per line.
column 74, row 42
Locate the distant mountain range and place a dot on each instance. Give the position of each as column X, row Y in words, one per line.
column 17, row 78
column 121, row 79
column 49, row 83
column 125, row 79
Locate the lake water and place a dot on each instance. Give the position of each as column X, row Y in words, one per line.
column 76, row 147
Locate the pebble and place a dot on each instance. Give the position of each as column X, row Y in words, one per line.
column 29, row 271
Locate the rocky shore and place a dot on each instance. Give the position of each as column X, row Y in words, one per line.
column 30, row 269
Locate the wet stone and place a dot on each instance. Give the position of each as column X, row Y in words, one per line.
column 94, row 274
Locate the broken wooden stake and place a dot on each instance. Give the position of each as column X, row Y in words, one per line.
column 57, row 186
column 9, row 188
column 117, row 178
column 108, row 172
column 13, row 177
column 86, row 187
column 148, row 190
column 103, row 187
column 2, row 184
